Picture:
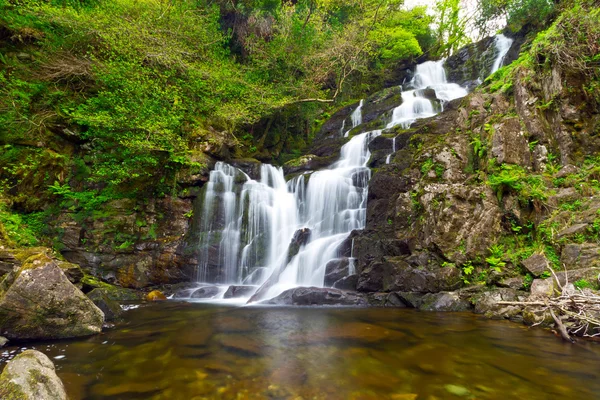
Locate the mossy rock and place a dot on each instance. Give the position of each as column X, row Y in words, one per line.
column 113, row 292
column 31, row 376
column 39, row 302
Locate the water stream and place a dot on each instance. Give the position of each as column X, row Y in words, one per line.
column 183, row 351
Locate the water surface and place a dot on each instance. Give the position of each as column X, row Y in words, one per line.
column 178, row 350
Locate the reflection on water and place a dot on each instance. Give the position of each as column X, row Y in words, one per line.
column 198, row 351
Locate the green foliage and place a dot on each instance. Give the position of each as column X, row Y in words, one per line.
column 495, row 260
column 467, row 272
column 517, row 13
column 450, row 27
column 583, row 284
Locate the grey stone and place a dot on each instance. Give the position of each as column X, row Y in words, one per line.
column 306, row 296
column 39, row 302
column 31, row 376
column 542, row 288
column 347, row 283
column 239, row 291
column 205, row 292
column 536, row 264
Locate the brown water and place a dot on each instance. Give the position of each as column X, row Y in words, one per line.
column 187, row 351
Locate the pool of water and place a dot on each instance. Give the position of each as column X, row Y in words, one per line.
column 179, row 350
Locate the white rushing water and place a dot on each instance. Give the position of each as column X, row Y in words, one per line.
column 247, row 225
column 429, row 91
column 245, row 234
column 503, row 45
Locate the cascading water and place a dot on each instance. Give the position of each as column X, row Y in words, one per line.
column 503, row 45
column 429, row 90
column 355, row 117
column 247, row 225
column 248, row 231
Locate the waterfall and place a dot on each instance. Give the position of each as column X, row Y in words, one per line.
column 389, row 156
column 355, row 117
column 247, row 225
column 428, row 85
column 503, row 45
column 247, row 230
column 357, row 114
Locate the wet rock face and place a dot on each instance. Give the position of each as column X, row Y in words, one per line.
column 31, row 376
column 307, row 296
column 335, row 270
column 205, row 292
column 162, row 249
column 396, row 274
column 471, row 63
column 239, row 291
column 39, row 302
column 300, row 238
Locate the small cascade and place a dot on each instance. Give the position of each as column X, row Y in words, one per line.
column 389, row 156
column 503, row 45
column 355, row 117
column 357, row 114
column 430, row 89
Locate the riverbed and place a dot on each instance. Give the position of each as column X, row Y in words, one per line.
column 181, row 350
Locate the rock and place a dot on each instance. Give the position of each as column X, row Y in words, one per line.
column 584, row 255
column 537, row 264
column 573, row 230
column 395, row 274
column 385, row 300
column 205, row 292
column 239, row 291
column 335, row 270
column 156, row 295
column 111, row 309
column 39, row 302
column 541, row 288
column 516, row 283
column 445, row 301
column 249, row 166
column 3, row 341
column 73, row 272
column 347, row 283
column 487, row 303
column 31, row 376
column 306, row 296
column 300, row 238
column 457, row 390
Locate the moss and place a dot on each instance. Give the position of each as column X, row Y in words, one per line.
column 112, row 292
column 10, row 391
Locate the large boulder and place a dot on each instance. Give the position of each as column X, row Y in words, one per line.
column 39, row 302
column 307, row 296
column 31, row 376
